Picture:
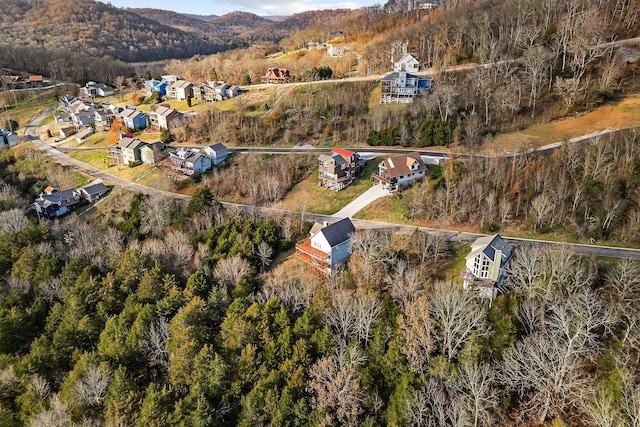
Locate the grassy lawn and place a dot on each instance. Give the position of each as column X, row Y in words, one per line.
column 324, row 201
column 458, row 251
column 387, row 209
column 96, row 158
column 622, row 114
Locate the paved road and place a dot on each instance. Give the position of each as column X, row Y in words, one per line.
column 371, row 195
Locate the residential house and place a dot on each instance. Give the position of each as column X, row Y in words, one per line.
column 79, row 105
column 402, row 87
column 67, row 132
column 93, row 89
column 170, row 78
column 217, row 152
column 400, row 171
column 133, row 118
column 84, row 134
column 190, row 162
column 8, row 138
column 165, row 117
column 93, row 192
column 83, row 118
column 53, row 203
column 152, row 153
column 215, row 91
column 129, row 149
column 62, row 117
column 102, row 119
column 232, row 91
column 339, row 169
column 405, row 62
column 180, row 90
column 275, row 75
column 328, row 247
column 484, row 266
column 153, row 85
column 35, row 81
column 335, row 49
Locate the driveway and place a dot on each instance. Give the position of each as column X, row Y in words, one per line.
column 374, row 193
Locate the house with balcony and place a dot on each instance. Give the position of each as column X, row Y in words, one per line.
column 484, row 266
column 180, row 90
column 165, row 117
column 338, row 170
column 328, row 246
column 126, row 151
column 402, row 87
column 400, row 171
column 52, row 203
column 190, row 162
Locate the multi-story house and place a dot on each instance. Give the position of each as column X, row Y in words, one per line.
column 339, row 169
column 400, row 171
column 484, row 267
column 328, row 246
column 402, row 87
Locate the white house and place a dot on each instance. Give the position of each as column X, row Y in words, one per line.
column 180, row 90
column 190, row 162
column 328, row 247
column 335, row 49
column 400, row 171
column 405, row 62
column 485, row 264
column 402, row 87
column 217, row 153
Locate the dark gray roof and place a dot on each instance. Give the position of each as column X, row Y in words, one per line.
column 218, row 148
column 58, row 196
column 96, row 189
column 494, row 243
column 338, row 232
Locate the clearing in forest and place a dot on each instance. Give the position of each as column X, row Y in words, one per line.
column 620, row 115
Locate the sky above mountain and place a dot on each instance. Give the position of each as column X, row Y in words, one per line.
column 259, row 7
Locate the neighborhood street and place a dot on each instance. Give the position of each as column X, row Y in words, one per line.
column 450, row 235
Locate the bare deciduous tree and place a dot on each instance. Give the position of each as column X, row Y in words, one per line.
column 418, row 335
column 456, row 315
column 229, row 271
column 12, row 221
column 92, row 387
column 264, row 253
column 335, row 384
column 57, row 414
column 154, row 345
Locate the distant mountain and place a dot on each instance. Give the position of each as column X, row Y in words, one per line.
column 202, row 17
column 237, row 23
column 174, row 19
column 99, row 29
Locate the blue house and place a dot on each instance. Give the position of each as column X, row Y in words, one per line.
column 134, row 119
column 153, row 85
column 328, row 247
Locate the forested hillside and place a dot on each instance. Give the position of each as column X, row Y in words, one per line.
column 99, row 30
column 153, row 313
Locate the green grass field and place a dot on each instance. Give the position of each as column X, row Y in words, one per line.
column 324, row 201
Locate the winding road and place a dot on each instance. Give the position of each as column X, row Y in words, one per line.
column 31, row 130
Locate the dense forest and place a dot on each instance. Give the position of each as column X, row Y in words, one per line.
column 155, row 313
column 99, row 30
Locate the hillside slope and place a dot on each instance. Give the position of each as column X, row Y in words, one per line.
column 98, row 29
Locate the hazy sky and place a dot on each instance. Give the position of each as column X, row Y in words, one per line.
column 259, row 7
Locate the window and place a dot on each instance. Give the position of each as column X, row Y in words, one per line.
column 481, row 267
